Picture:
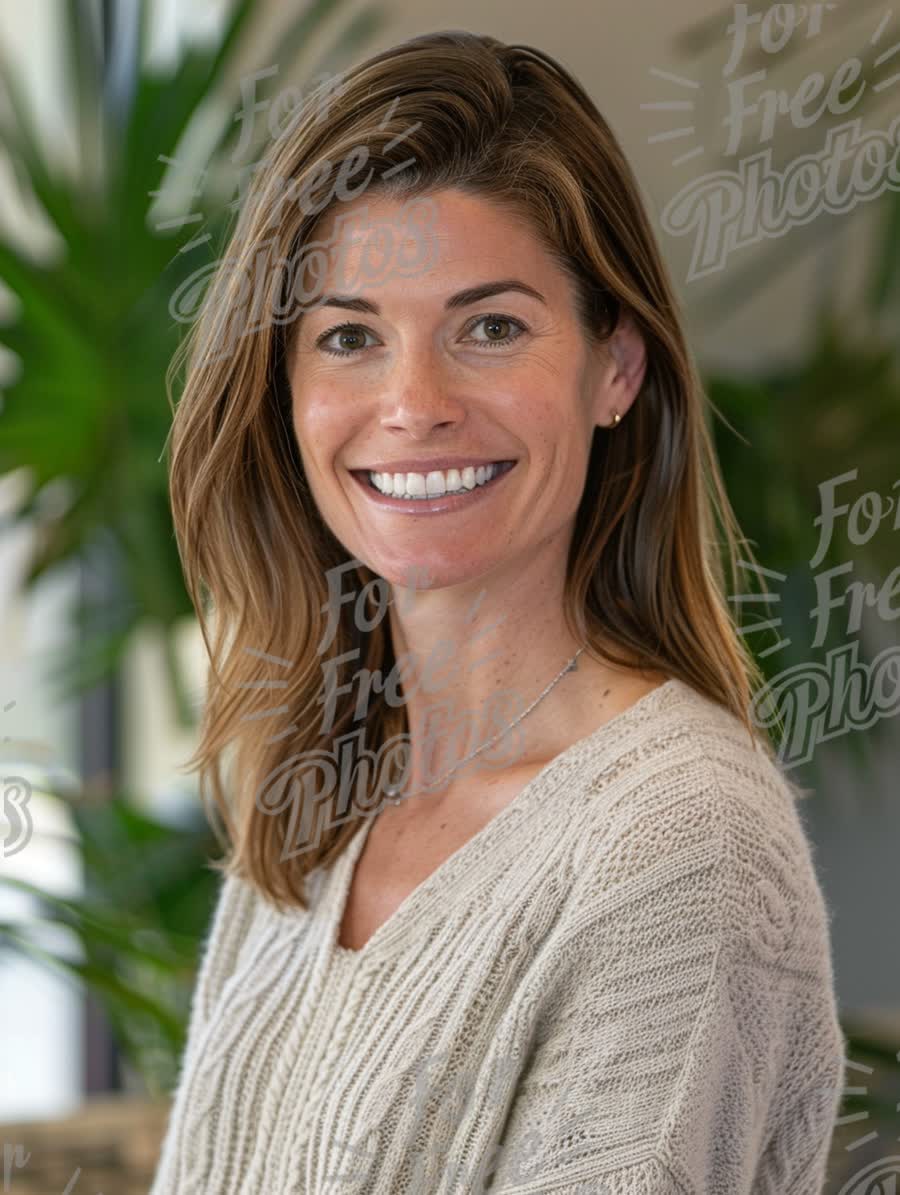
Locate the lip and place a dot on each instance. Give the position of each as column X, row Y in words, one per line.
column 427, row 466
column 439, row 504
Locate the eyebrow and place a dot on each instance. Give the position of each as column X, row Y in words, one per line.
column 462, row 298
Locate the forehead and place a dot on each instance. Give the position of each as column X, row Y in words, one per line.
column 375, row 241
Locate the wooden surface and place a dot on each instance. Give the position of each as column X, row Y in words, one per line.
column 109, row 1146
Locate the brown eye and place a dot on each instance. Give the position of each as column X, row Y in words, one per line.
column 494, row 324
column 351, row 339
column 351, row 336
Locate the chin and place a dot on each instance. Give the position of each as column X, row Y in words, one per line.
column 428, row 572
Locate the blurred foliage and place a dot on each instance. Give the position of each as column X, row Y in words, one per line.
column 85, row 423
column 832, row 414
column 832, row 419
column 138, row 928
column 87, row 417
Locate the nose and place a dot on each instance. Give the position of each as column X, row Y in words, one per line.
column 418, row 394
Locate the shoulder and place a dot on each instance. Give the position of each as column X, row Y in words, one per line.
column 688, row 981
column 237, row 907
column 689, row 803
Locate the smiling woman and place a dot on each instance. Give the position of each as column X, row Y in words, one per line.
column 568, row 866
column 434, row 350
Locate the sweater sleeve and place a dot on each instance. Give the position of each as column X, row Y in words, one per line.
column 687, row 1040
column 228, row 928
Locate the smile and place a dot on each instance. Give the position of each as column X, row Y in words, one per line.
column 433, row 492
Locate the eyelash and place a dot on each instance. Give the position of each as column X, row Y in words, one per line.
column 507, row 319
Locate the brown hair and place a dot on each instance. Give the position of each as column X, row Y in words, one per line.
column 645, row 571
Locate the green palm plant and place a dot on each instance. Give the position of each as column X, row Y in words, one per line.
column 136, row 933
column 86, row 419
column 87, row 416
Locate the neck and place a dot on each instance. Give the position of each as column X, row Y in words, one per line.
column 474, row 658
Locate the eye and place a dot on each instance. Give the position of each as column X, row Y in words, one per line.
column 352, row 331
column 358, row 333
column 494, row 321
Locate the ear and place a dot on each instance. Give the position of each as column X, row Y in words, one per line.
column 622, row 372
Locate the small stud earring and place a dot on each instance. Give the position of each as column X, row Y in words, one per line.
column 616, row 419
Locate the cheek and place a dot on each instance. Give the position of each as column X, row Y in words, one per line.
column 550, row 416
column 313, row 443
column 320, row 415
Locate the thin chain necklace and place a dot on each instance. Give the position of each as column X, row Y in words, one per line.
column 392, row 790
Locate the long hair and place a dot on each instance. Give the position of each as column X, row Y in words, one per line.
column 645, row 575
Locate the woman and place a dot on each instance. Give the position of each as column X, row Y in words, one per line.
column 516, row 895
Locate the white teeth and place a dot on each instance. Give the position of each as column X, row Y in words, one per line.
column 433, row 484
column 415, row 485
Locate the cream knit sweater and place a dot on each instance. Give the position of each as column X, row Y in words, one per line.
column 622, row 983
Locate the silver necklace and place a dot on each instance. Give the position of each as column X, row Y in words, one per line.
column 392, row 790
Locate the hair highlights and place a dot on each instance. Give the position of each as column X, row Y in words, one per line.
column 645, row 579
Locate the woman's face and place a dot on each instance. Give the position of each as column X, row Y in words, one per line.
column 427, row 380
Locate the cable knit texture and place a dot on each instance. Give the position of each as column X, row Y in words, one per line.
column 621, row 984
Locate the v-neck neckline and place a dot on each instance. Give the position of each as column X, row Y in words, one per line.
column 338, row 883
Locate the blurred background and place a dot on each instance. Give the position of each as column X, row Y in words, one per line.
column 765, row 141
